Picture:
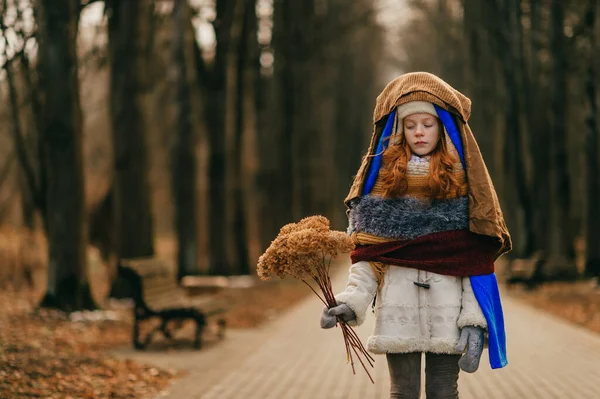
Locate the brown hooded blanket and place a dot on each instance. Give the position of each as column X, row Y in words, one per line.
column 485, row 215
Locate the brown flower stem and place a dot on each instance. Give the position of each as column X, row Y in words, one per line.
column 356, row 350
column 323, row 290
column 348, row 351
column 327, row 291
column 355, row 342
column 351, row 345
column 366, row 354
column 328, row 275
column 363, row 364
column 313, row 290
column 354, row 338
column 347, row 344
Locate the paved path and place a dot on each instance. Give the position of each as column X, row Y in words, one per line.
column 293, row 358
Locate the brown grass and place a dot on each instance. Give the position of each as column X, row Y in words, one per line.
column 577, row 302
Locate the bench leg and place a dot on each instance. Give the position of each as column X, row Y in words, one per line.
column 137, row 344
column 165, row 331
column 200, row 323
column 198, row 338
column 221, row 331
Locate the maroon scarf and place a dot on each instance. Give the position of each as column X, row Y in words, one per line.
column 452, row 253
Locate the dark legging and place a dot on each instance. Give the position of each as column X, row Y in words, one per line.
column 441, row 375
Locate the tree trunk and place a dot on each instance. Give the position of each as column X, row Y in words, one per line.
column 592, row 264
column 27, row 178
column 513, row 151
column 243, row 23
column 300, row 139
column 288, row 94
column 183, row 157
column 39, row 196
column 101, row 229
column 480, row 53
column 251, row 193
column 214, row 87
column 266, row 123
column 538, row 126
column 276, row 156
column 68, row 287
column 561, row 242
column 521, row 147
column 29, row 186
column 128, row 41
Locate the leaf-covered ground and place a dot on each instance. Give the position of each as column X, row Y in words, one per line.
column 46, row 354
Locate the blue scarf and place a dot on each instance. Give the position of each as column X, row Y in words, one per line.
column 485, row 287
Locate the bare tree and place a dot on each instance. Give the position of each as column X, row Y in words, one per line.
column 213, row 81
column 183, row 158
column 561, row 238
column 129, row 29
column 592, row 266
column 26, row 141
column 242, row 36
column 68, row 286
column 275, row 171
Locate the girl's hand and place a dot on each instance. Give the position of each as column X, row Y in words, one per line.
column 329, row 316
column 471, row 338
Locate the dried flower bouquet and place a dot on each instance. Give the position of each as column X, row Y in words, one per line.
column 304, row 250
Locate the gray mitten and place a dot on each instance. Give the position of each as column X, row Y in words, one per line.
column 329, row 316
column 471, row 338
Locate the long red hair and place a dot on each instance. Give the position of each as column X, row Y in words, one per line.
column 442, row 181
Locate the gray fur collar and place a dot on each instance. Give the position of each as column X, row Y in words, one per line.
column 408, row 217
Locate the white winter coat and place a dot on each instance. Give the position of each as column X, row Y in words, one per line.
column 410, row 318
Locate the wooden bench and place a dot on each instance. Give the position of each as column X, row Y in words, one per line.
column 201, row 285
column 526, row 271
column 156, row 294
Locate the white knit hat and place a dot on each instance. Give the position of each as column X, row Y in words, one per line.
column 416, row 107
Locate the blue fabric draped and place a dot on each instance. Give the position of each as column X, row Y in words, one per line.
column 381, row 146
column 452, row 131
column 485, row 287
column 486, row 291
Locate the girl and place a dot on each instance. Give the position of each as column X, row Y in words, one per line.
column 427, row 226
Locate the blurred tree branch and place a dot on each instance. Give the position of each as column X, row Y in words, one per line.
column 23, row 157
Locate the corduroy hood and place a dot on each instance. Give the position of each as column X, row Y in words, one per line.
column 485, row 215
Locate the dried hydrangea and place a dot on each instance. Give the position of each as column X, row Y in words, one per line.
column 301, row 247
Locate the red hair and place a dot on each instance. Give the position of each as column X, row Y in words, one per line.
column 442, row 181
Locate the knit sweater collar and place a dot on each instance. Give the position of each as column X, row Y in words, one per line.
column 418, row 159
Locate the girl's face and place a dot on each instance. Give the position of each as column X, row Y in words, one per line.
column 422, row 132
